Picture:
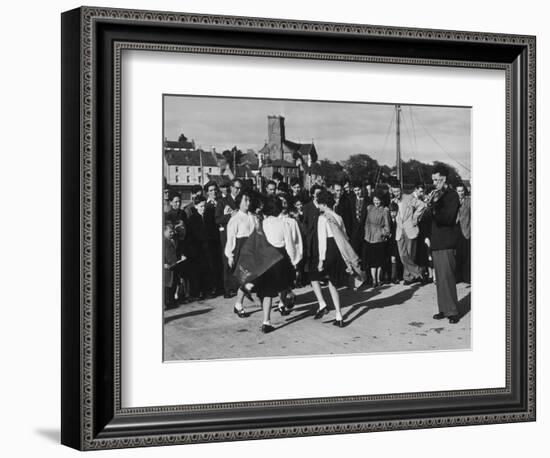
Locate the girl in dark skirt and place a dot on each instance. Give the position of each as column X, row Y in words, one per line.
column 280, row 276
column 239, row 228
column 331, row 262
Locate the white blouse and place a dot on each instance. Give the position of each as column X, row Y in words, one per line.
column 296, row 248
column 324, row 231
column 241, row 224
column 278, row 234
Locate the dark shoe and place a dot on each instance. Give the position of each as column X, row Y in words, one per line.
column 454, row 319
column 321, row 313
column 227, row 296
column 267, row 328
column 395, row 282
column 283, row 310
column 439, row 316
column 241, row 313
column 339, row 323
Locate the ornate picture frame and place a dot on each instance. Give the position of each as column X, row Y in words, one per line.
column 92, row 42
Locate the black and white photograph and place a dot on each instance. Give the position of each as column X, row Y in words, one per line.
column 305, row 227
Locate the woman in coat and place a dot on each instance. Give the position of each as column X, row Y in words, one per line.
column 377, row 231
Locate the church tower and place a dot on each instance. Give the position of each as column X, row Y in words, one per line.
column 276, row 136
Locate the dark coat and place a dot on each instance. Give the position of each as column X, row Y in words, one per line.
column 200, row 245
column 311, row 244
column 444, row 212
column 210, row 221
column 344, row 209
column 358, row 227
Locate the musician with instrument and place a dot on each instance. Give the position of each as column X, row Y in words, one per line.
column 443, row 203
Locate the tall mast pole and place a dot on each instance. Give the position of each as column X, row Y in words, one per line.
column 201, row 167
column 398, row 168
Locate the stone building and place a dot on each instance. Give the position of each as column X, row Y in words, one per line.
column 279, row 154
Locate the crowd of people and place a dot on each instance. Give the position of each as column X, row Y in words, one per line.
column 235, row 241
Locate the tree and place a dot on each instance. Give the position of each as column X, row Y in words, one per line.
column 362, row 168
column 331, row 171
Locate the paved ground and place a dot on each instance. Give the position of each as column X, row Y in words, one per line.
column 392, row 318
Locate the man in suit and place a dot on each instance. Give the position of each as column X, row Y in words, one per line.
column 463, row 231
column 410, row 210
column 202, row 249
column 342, row 206
column 225, row 208
column 359, row 204
column 444, row 203
column 211, row 191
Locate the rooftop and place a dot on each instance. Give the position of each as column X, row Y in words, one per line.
column 190, row 157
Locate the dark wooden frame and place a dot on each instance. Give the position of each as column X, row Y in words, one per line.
column 92, row 42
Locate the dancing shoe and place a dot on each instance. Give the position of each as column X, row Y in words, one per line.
column 320, row 313
column 267, row 328
column 340, row 323
column 439, row 316
column 241, row 313
column 283, row 310
column 454, row 319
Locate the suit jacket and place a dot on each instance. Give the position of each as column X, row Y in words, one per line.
column 464, row 218
column 358, row 227
column 210, row 220
column 344, row 209
column 201, row 242
column 311, row 245
column 410, row 210
column 221, row 218
column 444, row 213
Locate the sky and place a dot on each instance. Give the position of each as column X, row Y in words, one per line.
column 338, row 129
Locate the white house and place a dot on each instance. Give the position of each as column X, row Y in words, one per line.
column 186, row 166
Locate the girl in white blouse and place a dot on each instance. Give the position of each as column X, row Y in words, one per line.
column 279, row 277
column 331, row 261
column 239, row 228
column 296, row 253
